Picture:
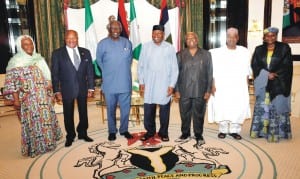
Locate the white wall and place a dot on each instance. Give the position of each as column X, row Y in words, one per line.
column 256, row 13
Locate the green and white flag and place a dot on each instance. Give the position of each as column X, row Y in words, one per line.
column 134, row 33
column 90, row 35
column 136, row 43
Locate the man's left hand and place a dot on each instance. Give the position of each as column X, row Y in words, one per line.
column 206, row 96
column 90, row 93
column 170, row 91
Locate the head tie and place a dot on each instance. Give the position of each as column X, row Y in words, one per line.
column 271, row 30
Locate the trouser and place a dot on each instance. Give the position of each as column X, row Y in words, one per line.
column 228, row 127
column 68, row 108
column 192, row 108
column 149, row 118
column 112, row 100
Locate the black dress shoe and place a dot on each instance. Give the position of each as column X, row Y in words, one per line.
column 85, row 138
column 127, row 135
column 165, row 138
column 221, row 135
column 146, row 137
column 68, row 143
column 236, row 136
column 112, row 136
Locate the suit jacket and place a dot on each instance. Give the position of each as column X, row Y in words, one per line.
column 66, row 79
column 195, row 73
column 281, row 63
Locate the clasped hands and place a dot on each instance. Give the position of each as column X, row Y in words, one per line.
column 177, row 96
column 142, row 89
column 272, row 76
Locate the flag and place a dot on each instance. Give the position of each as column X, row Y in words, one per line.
column 134, row 33
column 136, row 42
column 122, row 18
column 91, row 36
column 164, row 20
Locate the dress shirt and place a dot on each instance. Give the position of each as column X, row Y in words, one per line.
column 70, row 53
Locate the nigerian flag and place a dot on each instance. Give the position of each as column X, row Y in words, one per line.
column 91, row 36
column 136, row 42
column 134, row 33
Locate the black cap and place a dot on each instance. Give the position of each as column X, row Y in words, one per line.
column 158, row 27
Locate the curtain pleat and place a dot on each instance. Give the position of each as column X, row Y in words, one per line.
column 197, row 19
column 49, row 26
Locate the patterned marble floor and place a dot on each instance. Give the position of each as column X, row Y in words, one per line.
column 226, row 158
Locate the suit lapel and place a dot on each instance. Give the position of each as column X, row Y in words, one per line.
column 81, row 55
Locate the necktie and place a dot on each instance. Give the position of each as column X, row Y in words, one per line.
column 76, row 59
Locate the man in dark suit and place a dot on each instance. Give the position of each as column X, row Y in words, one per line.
column 73, row 78
column 193, row 87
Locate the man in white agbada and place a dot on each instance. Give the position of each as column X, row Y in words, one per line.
column 229, row 105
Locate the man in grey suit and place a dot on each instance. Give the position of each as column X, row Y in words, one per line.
column 73, row 78
column 193, row 87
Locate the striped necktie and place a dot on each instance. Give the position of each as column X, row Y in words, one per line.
column 76, row 59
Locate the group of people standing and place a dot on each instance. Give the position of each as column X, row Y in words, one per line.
column 271, row 68
column 195, row 77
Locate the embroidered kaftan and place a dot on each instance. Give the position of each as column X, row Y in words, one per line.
column 231, row 69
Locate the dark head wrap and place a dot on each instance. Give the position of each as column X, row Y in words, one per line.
column 158, row 27
column 271, row 30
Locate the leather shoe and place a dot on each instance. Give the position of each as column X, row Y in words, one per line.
column 68, row 143
column 85, row 138
column 146, row 137
column 236, row 136
column 221, row 135
column 165, row 138
column 112, row 136
column 127, row 135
